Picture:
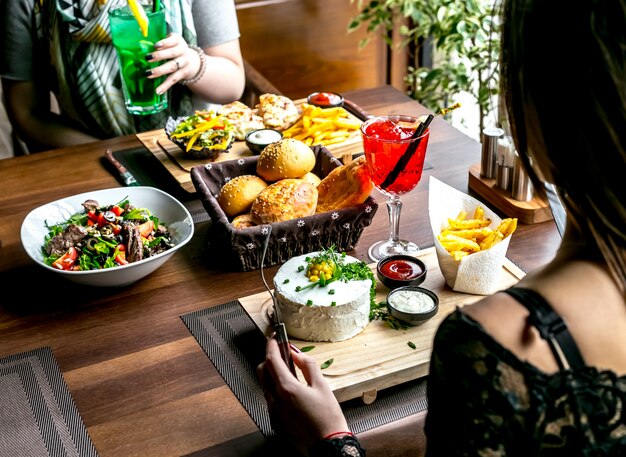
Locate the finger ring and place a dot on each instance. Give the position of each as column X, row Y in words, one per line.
column 177, row 64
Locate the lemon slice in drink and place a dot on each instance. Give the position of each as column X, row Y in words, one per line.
column 140, row 15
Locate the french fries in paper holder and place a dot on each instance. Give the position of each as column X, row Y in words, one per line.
column 470, row 252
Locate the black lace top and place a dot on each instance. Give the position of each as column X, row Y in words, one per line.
column 484, row 401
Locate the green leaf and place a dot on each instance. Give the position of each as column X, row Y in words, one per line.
column 412, row 345
column 307, row 348
column 326, row 364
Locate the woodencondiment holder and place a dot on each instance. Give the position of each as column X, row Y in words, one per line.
column 527, row 212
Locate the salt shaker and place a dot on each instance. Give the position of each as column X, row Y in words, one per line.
column 521, row 186
column 489, row 151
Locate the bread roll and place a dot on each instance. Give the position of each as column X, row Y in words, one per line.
column 287, row 158
column 312, row 178
column 237, row 195
column 243, row 221
column 284, row 200
column 346, row 185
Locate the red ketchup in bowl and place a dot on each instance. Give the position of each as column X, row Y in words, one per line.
column 401, row 269
column 325, row 99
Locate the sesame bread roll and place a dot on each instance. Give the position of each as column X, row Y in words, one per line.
column 284, row 200
column 287, row 158
column 237, row 195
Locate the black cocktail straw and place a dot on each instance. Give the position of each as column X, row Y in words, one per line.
column 156, row 6
column 406, row 157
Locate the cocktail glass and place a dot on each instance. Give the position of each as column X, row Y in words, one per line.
column 388, row 140
column 132, row 47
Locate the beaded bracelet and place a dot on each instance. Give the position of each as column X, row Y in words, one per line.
column 201, row 70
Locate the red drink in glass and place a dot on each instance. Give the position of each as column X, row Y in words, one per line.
column 394, row 160
column 385, row 140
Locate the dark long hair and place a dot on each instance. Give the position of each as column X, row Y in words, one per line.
column 563, row 73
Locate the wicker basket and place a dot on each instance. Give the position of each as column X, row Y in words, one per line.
column 241, row 249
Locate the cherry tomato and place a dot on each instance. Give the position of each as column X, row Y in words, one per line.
column 146, row 228
column 117, row 210
column 66, row 261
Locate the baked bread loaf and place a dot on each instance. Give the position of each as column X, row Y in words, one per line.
column 237, row 195
column 344, row 186
column 287, row 158
column 284, row 200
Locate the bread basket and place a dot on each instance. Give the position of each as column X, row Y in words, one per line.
column 240, row 249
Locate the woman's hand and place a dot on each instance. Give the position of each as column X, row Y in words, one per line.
column 180, row 62
column 307, row 413
column 221, row 81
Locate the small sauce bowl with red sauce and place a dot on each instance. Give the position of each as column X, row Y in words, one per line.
column 325, row 99
column 401, row 270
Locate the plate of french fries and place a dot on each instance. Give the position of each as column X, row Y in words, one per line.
column 325, row 126
column 470, row 239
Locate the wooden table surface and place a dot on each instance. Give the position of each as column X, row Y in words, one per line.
column 141, row 382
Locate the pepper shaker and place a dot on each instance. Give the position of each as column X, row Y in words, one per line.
column 490, row 137
column 521, row 186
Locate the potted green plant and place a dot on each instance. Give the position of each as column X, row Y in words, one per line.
column 461, row 37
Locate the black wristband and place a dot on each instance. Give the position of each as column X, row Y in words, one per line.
column 346, row 446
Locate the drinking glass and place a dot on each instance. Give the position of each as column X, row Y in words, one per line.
column 132, row 47
column 394, row 161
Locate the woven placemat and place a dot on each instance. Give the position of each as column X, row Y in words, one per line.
column 38, row 416
column 236, row 346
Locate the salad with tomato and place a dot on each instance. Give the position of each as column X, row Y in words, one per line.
column 105, row 237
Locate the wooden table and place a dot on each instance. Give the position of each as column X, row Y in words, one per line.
column 139, row 379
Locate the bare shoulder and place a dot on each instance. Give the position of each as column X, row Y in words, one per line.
column 506, row 321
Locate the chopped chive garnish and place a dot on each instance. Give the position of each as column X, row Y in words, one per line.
column 286, row 281
column 331, row 292
column 412, row 345
column 333, row 303
column 309, row 302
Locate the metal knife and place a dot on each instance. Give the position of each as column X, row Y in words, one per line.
column 280, row 332
column 126, row 175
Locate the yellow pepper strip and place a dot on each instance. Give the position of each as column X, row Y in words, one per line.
column 192, row 141
column 200, row 127
column 140, row 15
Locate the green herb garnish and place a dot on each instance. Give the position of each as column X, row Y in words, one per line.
column 286, row 281
column 326, row 364
column 412, row 345
column 307, row 348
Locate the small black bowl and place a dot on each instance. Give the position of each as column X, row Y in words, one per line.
column 423, row 310
column 325, row 99
column 257, row 140
column 400, row 264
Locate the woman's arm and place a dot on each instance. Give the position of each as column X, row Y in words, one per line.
column 32, row 120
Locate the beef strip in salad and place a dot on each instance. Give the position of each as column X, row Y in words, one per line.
column 105, row 237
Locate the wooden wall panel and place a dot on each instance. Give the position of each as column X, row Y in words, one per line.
column 303, row 46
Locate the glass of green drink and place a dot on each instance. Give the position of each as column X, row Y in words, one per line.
column 132, row 47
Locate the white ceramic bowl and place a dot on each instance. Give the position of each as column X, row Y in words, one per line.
column 170, row 212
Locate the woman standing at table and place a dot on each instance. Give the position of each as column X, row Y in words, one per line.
column 539, row 369
column 58, row 46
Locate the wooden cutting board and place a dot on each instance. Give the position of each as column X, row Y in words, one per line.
column 380, row 357
column 179, row 164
